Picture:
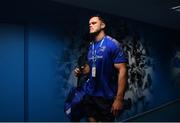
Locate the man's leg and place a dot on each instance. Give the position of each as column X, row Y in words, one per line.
column 90, row 109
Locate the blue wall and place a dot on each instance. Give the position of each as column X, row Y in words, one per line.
column 43, row 47
column 11, row 72
column 39, row 49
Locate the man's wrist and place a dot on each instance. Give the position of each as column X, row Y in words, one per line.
column 118, row 98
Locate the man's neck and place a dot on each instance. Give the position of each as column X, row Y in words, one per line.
column 100, row 36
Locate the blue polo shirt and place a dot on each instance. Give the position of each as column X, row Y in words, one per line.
column 108, row 52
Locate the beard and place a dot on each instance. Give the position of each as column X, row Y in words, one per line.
column 94, row 34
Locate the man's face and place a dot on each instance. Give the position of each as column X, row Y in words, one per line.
column 95, row 25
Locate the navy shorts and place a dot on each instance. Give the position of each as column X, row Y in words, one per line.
column 99, row 108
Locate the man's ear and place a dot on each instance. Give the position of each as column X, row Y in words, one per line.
column 103, row 25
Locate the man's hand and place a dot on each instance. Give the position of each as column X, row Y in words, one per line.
column 77, row 72
column 83, row 70
column 117, row 106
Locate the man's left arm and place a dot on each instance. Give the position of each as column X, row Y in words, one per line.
column 122, row 77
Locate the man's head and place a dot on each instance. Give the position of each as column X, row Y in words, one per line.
column 96, row 24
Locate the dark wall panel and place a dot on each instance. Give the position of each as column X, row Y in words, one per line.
column 11, row 72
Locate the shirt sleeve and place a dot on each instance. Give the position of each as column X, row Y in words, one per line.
column 118, row 54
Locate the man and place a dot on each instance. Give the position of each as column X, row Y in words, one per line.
column 107, row 74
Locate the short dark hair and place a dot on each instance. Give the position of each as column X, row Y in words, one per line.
column 100, row 17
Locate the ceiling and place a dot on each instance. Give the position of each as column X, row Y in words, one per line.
column 156, row 12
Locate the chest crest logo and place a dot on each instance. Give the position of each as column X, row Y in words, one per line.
column 102, row 49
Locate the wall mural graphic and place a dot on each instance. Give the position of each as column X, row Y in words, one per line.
column 140, row 76
column 175, row 69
